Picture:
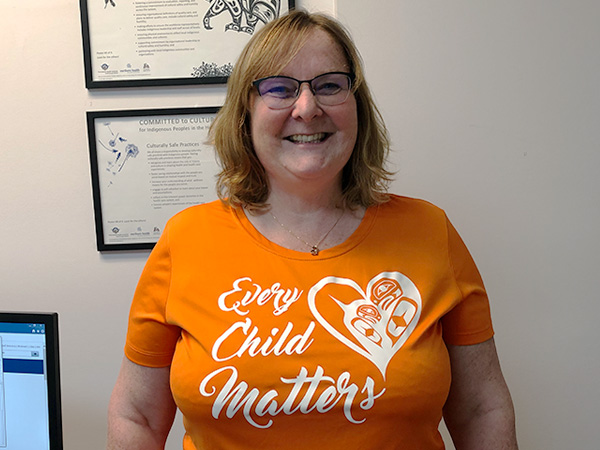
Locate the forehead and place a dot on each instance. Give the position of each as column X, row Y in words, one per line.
column 319, row 54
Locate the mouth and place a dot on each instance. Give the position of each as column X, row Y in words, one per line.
column 308, row 138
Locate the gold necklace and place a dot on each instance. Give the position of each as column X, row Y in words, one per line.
column 314, row 249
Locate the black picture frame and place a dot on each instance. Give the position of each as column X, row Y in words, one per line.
column 158, row 147
column 122, row 62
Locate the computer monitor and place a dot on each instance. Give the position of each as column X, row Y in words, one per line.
column 30, row 409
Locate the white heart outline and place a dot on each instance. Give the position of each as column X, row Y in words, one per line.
column 410, row 291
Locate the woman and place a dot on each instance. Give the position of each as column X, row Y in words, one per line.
column 307, row 308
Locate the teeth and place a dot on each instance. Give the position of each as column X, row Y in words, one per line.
column 303, row 138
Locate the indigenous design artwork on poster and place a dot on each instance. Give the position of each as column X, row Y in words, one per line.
column 169, row 41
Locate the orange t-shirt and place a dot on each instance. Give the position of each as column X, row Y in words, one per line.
column 272, row 348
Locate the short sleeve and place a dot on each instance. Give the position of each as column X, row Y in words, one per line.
column 469, row 322
column 150, row 338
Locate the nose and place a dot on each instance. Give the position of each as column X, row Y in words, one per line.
column 306, row 106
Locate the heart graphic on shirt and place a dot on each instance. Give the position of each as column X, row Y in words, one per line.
column 375, row 322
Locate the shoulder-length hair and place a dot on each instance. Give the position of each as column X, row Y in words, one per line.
column 242, row 181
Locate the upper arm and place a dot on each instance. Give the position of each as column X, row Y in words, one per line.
column 141, row 402
column 477, row 379
column 479, row 408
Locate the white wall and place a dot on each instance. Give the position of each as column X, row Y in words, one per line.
column 493, row 108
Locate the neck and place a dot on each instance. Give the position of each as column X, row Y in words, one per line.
column 306, row 199
column 309, row 218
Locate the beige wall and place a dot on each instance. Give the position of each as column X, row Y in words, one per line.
column 493, row 110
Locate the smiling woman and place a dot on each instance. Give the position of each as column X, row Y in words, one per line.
column 304, row 147
column 243, row 181
column 308, row 308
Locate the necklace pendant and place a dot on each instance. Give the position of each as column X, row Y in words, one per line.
column 314, row 250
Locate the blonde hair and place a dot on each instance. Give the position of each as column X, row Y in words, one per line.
column 242, row 181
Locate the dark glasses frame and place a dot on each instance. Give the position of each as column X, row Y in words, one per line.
column 351, row 78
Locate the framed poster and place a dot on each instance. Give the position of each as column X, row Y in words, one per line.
column 146, row 166
column 168, row 42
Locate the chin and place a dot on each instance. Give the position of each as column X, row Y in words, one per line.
column 317, row 173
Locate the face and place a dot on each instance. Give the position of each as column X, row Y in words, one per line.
column 306, row 142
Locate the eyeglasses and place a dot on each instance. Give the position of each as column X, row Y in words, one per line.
column 280, row 92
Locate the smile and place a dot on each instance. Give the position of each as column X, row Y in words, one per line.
column 307, row 138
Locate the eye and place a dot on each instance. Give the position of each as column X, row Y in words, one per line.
column 327, row 88
column 278, row 87
column 330, row 84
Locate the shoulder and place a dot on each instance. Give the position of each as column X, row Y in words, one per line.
column 408, row 208
column 199, row 218
column 205, row 211
column 411, row 219
column 204, row 226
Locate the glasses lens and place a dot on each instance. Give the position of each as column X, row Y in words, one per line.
column 331, row 88
column 278, row 92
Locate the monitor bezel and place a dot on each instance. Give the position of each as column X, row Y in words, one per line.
column 50, row 321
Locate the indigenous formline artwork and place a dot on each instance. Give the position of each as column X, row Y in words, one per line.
column 168, row 42
column 250, row 10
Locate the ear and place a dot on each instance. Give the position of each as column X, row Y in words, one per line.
column 253, row 97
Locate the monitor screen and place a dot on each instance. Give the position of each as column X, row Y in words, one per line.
column 30, row 411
